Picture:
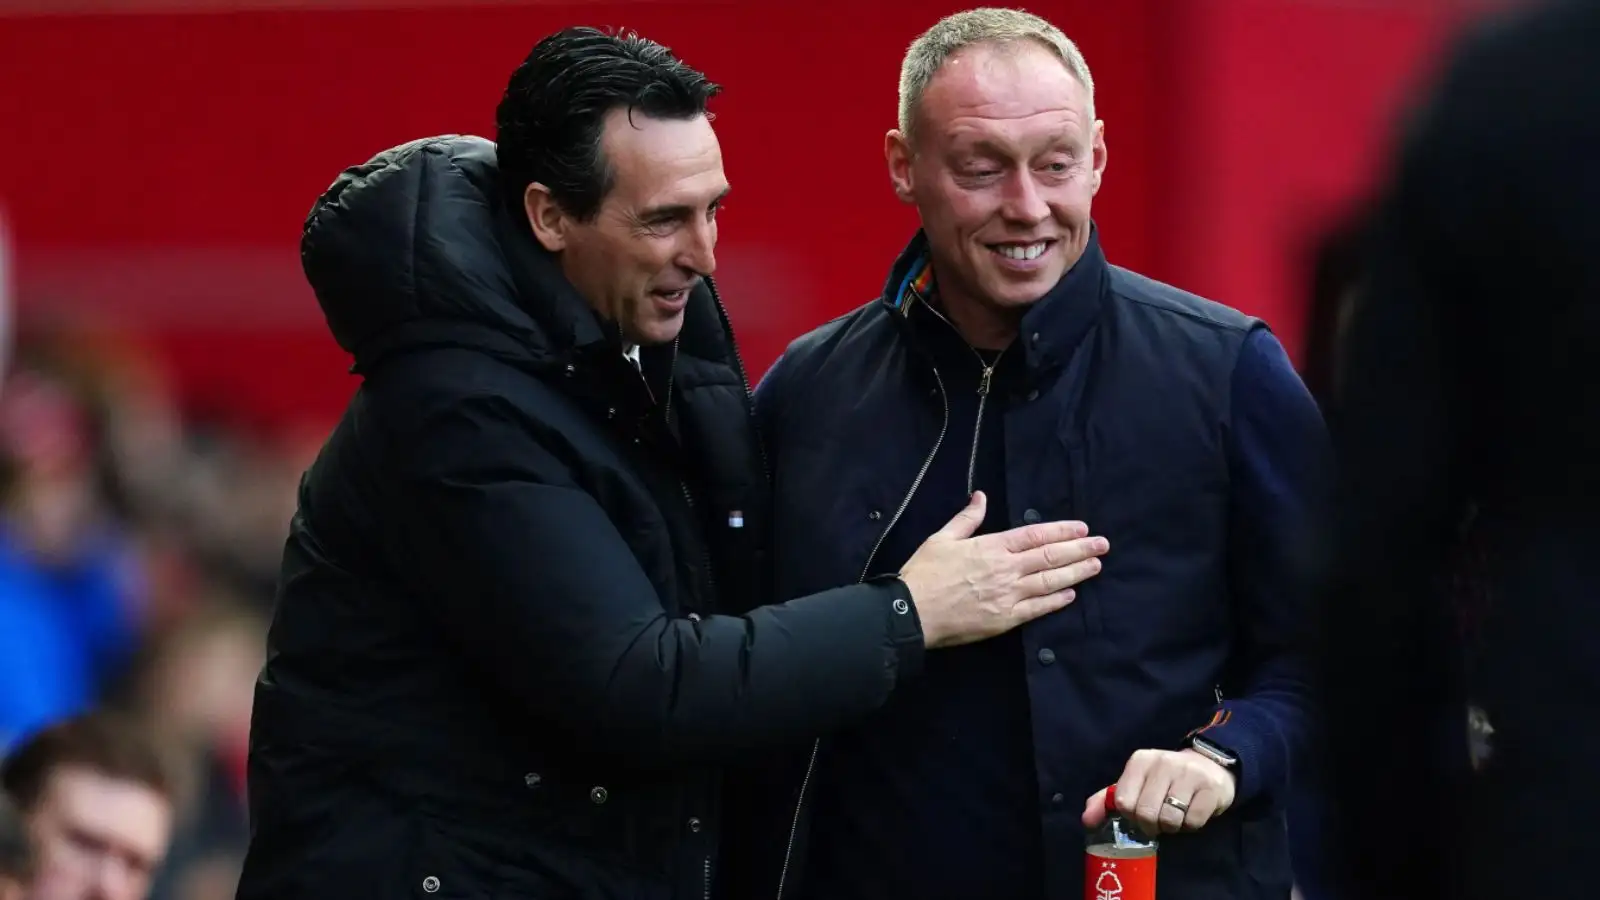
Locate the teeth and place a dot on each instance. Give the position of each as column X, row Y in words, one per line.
column 1014, row 251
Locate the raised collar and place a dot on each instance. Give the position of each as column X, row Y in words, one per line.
column 1054, row 326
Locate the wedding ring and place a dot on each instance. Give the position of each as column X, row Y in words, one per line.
column 1177, row 804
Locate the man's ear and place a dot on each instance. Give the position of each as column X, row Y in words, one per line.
column 897, row 153
column 1099, row 157
column 545, row 216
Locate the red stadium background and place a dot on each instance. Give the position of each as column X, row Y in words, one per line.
column 159, row 160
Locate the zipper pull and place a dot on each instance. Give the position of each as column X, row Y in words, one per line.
column 983, row 383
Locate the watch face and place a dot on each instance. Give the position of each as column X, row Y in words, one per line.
column 1216, row 755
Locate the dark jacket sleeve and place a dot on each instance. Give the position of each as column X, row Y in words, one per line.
column 1280, row 466
column 536, row 584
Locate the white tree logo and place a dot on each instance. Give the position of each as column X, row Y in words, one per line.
column 1108, row 886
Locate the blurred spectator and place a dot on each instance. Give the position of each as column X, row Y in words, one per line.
column 1460, row 667
column 194, row 685
column 66, row 585
column 16, row 851
column 137, row 553
column 96, row 794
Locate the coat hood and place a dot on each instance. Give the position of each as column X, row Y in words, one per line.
column 415, row 248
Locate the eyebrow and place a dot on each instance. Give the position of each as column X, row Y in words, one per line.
column 677, row 210
column 987, row 148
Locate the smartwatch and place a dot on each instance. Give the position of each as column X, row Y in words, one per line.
column 1214, row 753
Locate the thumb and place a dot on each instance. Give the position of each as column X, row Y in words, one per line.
column 1094, row 812
column 966, row 522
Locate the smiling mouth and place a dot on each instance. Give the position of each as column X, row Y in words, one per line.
column 1022, row 252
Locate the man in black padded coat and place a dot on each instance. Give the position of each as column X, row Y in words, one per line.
column 522, row 622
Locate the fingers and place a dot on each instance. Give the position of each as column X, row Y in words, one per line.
column 1031, row 608
column 1061, row 554
column 967, row 522
column 1201, row 789
column 1053, row 581
column 1094, row 812
column 1143, row 790
column 1173, row 809
column 1020, row 540
column 1202, row 807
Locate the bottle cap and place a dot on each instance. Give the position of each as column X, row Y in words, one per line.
column 1111, row 800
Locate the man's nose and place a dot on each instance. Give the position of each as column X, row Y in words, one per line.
column 115, row 880
column 699, row 253
column 1022, row 201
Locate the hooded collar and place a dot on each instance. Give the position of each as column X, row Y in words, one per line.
column 416, row 249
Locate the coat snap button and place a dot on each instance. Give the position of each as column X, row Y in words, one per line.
column 694, row 617
column 1047, row 656
column 532, row 779
column 430, row 884
column 599, row 794
column 875, row 515
column 1031, row 516
column 901, row 607
column 694, row 825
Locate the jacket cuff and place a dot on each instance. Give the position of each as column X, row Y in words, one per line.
column 1251, row 737
column 904, row 627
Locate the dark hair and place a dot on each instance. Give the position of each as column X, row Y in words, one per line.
column 16, row 847
column 550, row 120
column 107, row 743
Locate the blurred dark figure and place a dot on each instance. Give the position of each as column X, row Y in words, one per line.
column 16, row 852
column 1462, row 668
column 1337, row 266
column 1335, row 263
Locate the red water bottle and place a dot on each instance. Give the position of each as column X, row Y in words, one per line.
column 1120, row 861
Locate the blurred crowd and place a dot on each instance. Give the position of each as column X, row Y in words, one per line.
column 138, row 552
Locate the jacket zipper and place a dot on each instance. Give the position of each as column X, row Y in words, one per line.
column 688, row 496
column 738, row 366
column 985, row 381
column 977, row 427
column 805, row 783
column 744, row 379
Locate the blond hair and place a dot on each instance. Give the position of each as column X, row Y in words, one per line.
column 985, row 25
